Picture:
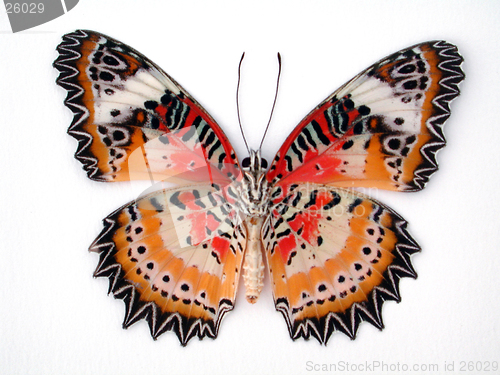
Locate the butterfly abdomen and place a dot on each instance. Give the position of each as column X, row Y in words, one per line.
column 253, row 266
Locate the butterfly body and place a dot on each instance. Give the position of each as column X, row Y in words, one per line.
column 175, row 256
column 255, row 204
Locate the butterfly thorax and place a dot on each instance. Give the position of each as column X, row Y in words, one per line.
column 254, row 188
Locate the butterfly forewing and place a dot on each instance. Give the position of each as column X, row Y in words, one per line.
column 380, row 130
column 124, row 103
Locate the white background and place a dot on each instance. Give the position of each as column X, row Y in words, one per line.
column 56, row 319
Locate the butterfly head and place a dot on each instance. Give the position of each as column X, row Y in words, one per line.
column 254, row 188
column 254, row 163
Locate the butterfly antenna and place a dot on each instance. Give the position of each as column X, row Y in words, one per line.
column 238, row 102
column 274, row 103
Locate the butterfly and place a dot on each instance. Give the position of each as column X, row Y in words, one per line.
column 175, row 255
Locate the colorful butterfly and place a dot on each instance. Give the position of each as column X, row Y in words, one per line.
column 175, row 255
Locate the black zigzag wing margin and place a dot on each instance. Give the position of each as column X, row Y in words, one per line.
column 65, row 63
column 135, row 310
column 452, row 75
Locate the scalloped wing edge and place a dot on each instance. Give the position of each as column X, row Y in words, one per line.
column 67, row 73
column 449, row 84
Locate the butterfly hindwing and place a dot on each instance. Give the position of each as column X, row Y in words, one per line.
column 174, row 257
column 126, row 109
column 380, row 130
column 334, row 256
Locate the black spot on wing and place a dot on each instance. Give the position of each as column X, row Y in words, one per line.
column 174, row 199
column 354, row 204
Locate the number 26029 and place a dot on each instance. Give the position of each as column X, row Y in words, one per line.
column 24, row 8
